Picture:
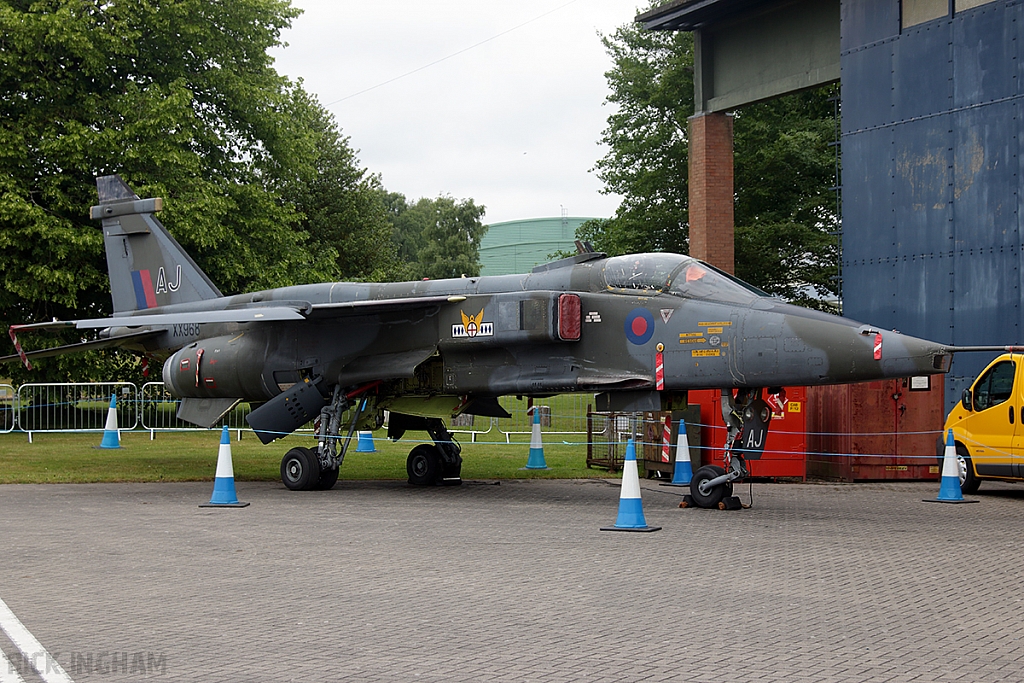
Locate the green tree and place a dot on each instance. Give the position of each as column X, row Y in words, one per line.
column 408, row 223
column 345, row 210
column 785, row 208
column 451, row 238
column 437, row 238
column 180, row 98
column 651, row 88
column 783, row 167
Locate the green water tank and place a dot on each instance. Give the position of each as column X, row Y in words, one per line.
column 517, row 246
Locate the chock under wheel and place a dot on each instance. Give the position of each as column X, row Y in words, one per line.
column 730, row 503
column 727, row 503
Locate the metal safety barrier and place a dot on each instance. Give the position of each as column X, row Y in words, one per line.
column 607, row 434
column 8, row 408
column 466, row 424
column 75, row 406
column 158, row 412
column 82, row 407
column 160, row 409
column 564, row 414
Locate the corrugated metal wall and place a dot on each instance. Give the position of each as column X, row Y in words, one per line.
column 931, row 175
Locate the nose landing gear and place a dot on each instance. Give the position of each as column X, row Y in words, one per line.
column 748, row 417
column 709, row 486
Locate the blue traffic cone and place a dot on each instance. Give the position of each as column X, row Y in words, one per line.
column 365, row 443
column 111, row 436
column 949, row 488
column 631, row 509
column 224, row 483
column 536, row 460
column 683, row 472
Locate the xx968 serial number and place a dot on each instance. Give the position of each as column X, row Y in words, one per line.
column 185, row 330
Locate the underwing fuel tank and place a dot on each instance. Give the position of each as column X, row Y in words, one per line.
column 227, row 366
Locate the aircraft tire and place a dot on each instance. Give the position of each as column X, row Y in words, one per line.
column 727, row 485
column 969, row 482
column 713, row 497
column 451, row 472
column 300, row 469
column 328, row 478
column 424, row 465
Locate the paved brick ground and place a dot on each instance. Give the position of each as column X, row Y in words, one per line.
column 381, row 582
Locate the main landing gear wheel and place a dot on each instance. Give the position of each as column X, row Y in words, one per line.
column 424, row 465
column 451, row 473
column 709, row 498
column 328, row 478
column 300, row 469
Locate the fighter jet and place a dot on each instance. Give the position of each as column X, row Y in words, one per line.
column 638, row 331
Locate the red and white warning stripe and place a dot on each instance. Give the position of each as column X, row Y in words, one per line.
column 666, row 439
column 878, row 346
column 659, row 371
column 17, row 347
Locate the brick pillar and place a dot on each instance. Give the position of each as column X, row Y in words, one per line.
column 711, row 190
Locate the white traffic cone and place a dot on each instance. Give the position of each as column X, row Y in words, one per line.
column 631, row 509
column 683, row 472
column 111, row 435
column 536, row 461
column 224, row 495
column 949, row 488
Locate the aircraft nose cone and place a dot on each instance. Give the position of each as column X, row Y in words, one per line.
column 851, row 351
column 902, row 356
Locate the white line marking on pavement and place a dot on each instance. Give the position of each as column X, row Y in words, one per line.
column 32, row 649
column 8, row 674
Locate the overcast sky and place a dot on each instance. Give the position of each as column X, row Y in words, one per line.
column 513, row 122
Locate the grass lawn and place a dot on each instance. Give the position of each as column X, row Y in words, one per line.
column 192, row 456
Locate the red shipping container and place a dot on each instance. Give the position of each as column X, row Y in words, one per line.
column 785, row 449
column 876, row 430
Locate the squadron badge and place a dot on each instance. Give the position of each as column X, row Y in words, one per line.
column 472, row 326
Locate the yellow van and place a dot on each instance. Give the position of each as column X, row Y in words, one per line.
column 988, row 425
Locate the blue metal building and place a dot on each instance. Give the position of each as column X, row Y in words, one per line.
column 932, row 113
column 931, row 117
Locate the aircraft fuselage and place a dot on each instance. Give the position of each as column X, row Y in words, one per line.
column 564, row 328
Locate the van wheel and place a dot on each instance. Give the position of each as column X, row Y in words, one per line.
column 969, row 482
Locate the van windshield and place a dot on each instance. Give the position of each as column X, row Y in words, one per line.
column 995, row 386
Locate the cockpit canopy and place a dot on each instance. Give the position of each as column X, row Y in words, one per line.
column 678, row 275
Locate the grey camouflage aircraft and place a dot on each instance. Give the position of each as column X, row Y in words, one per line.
column 637, row 330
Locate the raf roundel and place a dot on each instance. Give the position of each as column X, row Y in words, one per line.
column 639, row 326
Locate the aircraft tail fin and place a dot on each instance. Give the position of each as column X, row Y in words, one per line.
column 147, row 267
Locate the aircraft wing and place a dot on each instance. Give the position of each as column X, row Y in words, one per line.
column 293, row 310
column 370, row 306
column 81, row 346
column 290, row 311
column 235, row 315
